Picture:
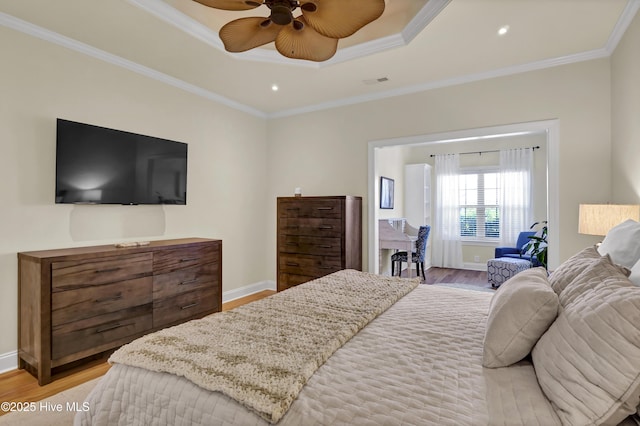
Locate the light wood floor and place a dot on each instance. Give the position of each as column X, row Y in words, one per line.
column 20, row 386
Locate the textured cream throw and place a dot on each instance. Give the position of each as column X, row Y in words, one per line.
column 261, row 354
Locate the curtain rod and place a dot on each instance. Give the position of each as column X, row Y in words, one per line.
column 484, row 152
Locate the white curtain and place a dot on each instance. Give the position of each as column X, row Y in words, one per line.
column 446, row 246
column 515, row 198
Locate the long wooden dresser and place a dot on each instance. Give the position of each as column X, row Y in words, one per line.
column 78, row 302
column 317, row 236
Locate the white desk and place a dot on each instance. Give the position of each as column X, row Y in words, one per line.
column 392, row 238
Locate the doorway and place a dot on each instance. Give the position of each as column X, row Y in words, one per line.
column 548, row 128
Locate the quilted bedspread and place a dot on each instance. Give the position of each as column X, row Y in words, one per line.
column 261, row 354
column 418, row 363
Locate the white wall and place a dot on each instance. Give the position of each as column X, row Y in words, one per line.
column 578, row 95
column 390, row 163
column 226, row 177
column 625, row 116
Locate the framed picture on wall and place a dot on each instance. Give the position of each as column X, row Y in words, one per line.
column 386, row 193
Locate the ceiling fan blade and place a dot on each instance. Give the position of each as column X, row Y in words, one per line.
column 246, row 33
column 300, row 41
column 231, row 4
column 340, row 18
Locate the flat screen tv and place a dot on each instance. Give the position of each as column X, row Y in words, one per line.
column 96, row 165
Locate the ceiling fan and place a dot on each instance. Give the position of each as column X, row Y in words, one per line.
column 312, row 35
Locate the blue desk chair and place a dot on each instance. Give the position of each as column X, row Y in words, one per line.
column 417, row 257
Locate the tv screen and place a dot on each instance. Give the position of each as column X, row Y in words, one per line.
column 96, row 165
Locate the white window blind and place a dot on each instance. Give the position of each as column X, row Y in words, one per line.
column 479, row 209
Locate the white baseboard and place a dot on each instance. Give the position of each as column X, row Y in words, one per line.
column 475, row 266
column 9, row 360
column 237, row 293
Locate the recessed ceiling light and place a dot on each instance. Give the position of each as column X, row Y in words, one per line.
column 274, row 87
column 503, row 30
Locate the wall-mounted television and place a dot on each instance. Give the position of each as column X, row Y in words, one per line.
column 97, row 165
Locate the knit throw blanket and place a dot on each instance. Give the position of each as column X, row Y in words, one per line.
column 261, row 354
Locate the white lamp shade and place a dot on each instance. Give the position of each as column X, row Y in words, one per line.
column 598, row 219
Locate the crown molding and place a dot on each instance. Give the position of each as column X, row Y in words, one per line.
column 623, row 23
column 14, row 23
column 173, row 16
column 185, row 23
column 423, row 18
column 625, row 19
column 69, row 43
column 470, row 78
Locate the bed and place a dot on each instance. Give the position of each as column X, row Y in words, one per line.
column 563, row 350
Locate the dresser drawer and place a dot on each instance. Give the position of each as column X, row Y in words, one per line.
column 310, row 245
column 99, row 333
column 73, row 305
column 184, row 280
column 173, row 259
column 309, row 265
column 320, row 227
column 185, row 306
column 286, row 281
column 89, row 272
column 311, row 208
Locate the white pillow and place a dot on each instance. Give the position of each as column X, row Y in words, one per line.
column 522, row 309
column 635, row 274
column 598, row 271
column 622, row 243
column 588, row 362
column 572, row 267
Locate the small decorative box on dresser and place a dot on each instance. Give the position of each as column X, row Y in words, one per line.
column 78, row 302
column 317, row 236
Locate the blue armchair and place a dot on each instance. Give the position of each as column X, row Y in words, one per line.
column 517, row 252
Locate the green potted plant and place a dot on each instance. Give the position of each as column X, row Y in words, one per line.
column 537, row 245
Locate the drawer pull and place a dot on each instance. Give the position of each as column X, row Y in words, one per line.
column 189, row 259
column 327, row 247
column 326, row 267
column 325, row 208
column 292, row 264
column 325, row 227
column 109, row 327
column 101, row 271
column 109, row 299
column 189, row 281
column 189, row 306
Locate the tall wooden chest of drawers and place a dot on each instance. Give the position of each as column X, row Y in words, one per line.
column 78, row 302
column 317, row 236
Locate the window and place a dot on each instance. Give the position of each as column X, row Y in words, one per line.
column 479, row 210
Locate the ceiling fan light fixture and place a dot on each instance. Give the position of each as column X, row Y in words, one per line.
column 281, row 15
column 297, row 25
column 311, row 36
column 309, row 7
